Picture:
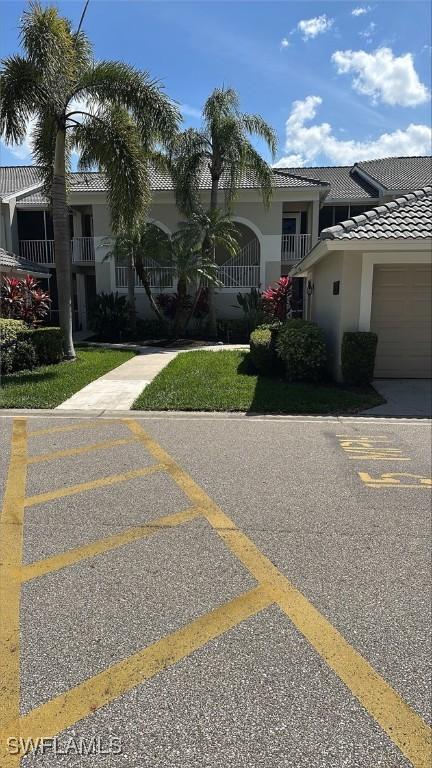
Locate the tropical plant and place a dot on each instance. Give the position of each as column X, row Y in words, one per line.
column 223, row 148
column 110, row 112
column 23, row 299
column 276, row 300
column 136, row 248
column 251, row 305
column 108, row 316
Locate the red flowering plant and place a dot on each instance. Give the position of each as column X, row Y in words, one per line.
column 276, row 300
column 23, row 300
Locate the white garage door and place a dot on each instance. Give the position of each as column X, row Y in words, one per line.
column 401, row 316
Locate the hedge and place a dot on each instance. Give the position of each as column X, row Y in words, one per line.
column 263, row 346
column 301, row 347
column 24, row 348
column 358, row 356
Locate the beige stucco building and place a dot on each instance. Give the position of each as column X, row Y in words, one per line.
column 373, row 272
column 273, row 239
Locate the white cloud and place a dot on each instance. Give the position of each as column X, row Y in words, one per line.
column 368, row 32
column 188, row 111
column 361, row 10
column 383, row 76
column 306, row 144
column 312, row 27
column 284, row 42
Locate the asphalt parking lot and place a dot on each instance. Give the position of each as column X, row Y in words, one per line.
column 204, row 592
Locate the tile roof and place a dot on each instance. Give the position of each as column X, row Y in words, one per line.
column 344, row 183
column 10, row 261
column 407, row 217
column 399, row 173
column 17, row 177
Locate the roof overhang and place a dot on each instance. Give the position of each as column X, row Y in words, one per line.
column 22, row 192
column 18, row 272
column 323, row 247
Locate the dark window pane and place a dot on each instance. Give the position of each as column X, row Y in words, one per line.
column 289, row 226
column 304, row 223
column 326, row 217
column 341, row 213
column 31, row 225
column 49, row 226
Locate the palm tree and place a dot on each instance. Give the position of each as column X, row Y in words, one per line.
column 133, row 248
column 111, row 113
column 224, row 148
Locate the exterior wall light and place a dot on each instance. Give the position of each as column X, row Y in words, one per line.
column 310, row 288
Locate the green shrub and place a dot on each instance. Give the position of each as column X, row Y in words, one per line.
column 150, row 328
column 263, row 346
column 358, row 356
column 22, row 347
column 24, row 355
column 9, row 330
column 109, row 316
column 301, row 347
column 261, row 349
column 47, row 343
column 233, row 330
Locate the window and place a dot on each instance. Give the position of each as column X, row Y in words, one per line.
column 326, row 217
column 289, row 225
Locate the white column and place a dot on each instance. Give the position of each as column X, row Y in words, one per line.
column 270, row 251
column 315, row 221
column 81, row 300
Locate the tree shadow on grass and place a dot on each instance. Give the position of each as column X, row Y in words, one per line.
column 30, row 377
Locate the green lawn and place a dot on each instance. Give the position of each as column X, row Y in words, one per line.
column 223, row 381
column 49, row 385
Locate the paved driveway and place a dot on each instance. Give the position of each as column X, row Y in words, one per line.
column 204, row 592
column 405, row 397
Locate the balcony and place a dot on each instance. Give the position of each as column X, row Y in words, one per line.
column 294, row 248
column 42, row 251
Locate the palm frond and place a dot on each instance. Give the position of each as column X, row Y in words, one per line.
column 252, row 163
column 20, row 96
column 110, row 140
column 44, row 139
column 188, row 155
column 257, row 126
column 113, row 82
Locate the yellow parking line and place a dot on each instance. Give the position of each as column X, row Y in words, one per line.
column 77, row 451
column 403, row 726
column 72, row 427
column 10, row 558
column 101, row 482
column 67, row 709
column 72, row 556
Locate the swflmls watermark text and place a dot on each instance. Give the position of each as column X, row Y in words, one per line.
column 71, row 746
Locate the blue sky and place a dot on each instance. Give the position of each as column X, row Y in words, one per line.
column 339, row 81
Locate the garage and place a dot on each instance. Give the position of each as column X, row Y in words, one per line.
column 401, row 316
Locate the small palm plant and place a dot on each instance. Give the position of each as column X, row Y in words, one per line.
column 111, row 113
column 223, row 147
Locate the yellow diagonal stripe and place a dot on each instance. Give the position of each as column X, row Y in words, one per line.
column 404, row 727
column 82, row 449
column 101, row 482
column 72, row 556
column 79, row 702
column 11, row 537
column 91, row 424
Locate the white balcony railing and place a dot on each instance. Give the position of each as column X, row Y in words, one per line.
column 42, row 251
column 239, row 276
column 159, row 277
column 295, row 247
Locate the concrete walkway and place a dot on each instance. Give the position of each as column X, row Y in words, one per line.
column 405, row 397
column 118, row 389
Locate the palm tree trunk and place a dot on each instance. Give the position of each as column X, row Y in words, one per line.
column 211, row 289
column 62, row 245
column 131, row 294
column 142, row 274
